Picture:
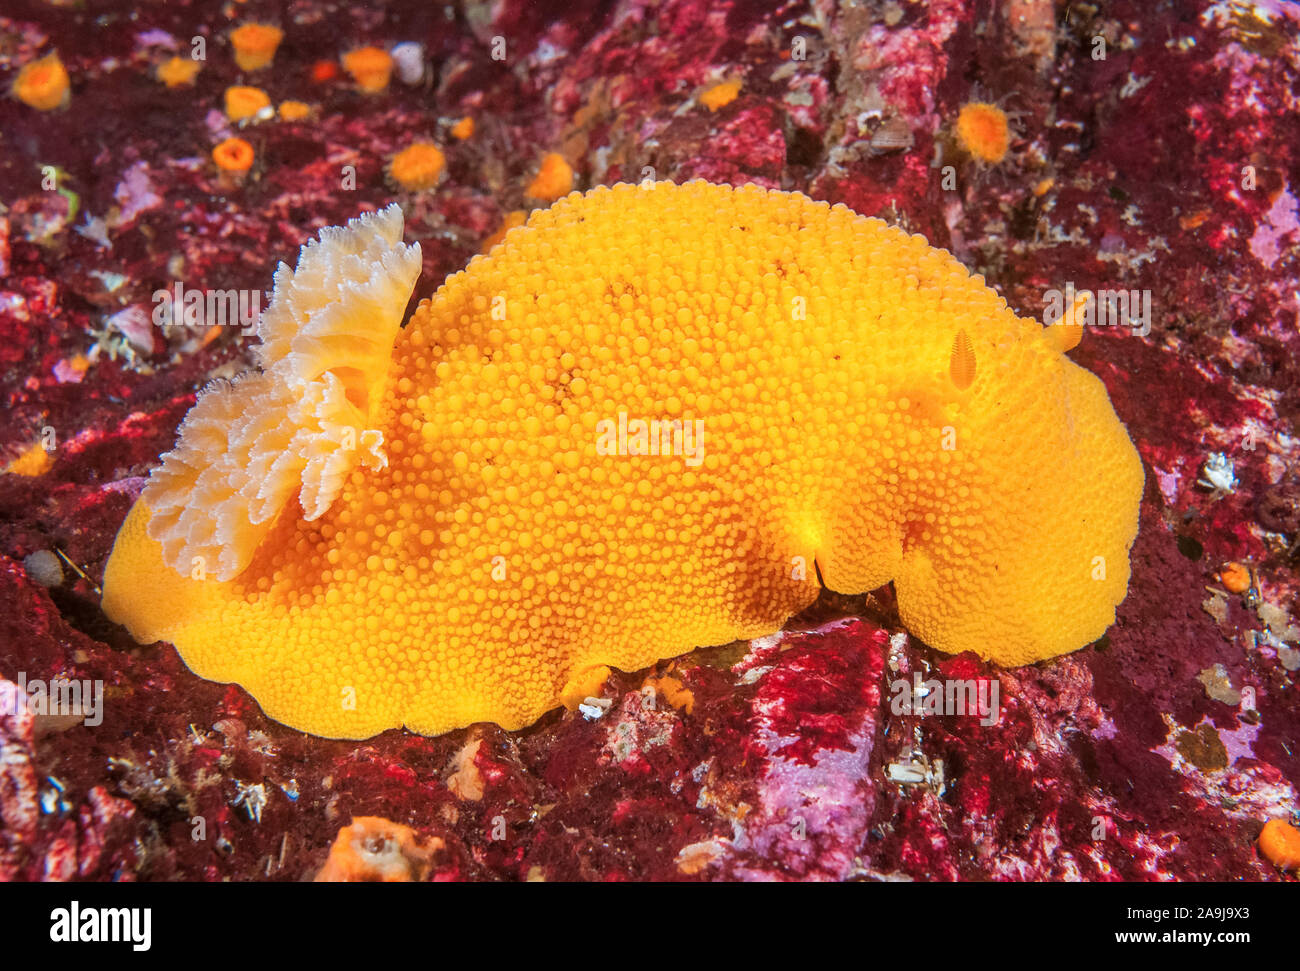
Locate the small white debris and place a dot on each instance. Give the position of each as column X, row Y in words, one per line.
column 408, row 62
column 1132, row 85
column 252, row 798
column 97, row 230
column 1218, row 473
column 909, row 774
column 43, row 567
column 897, row 651
column 917, row 770
column 593, row 708
column 763, row 643
column 135, row 323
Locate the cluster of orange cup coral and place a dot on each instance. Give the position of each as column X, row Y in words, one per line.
column 44, row 84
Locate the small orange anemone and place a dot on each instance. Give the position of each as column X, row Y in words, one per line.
column 43, row 84
column 255, row 45
column 417, row 167
column 234, row 156
column 243, row 103
column 177, row 72
column 553, row 180
column 370, row 67
column 463, row 129
column 983, row 131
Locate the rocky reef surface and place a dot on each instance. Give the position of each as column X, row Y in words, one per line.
column 1152, row 148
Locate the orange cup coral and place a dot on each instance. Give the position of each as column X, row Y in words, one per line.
column 294, row 110
column 243, row 103
column 1236, row 577
column 323, row 71
column 31, row 461
column 417, row 167
column 43, row 84
column 1280, row 842
column 553, row 180
column 177, row 72
column 255, row 45
column 983, row 131
column 370, row 67
column 234, row 156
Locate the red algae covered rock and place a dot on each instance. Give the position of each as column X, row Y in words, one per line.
column 1165, row 751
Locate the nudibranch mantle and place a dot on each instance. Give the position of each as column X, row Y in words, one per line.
column 468, row 518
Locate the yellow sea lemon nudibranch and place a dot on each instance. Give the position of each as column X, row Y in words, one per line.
column 43, row 84
column 608, row 442
column 1279, row 841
